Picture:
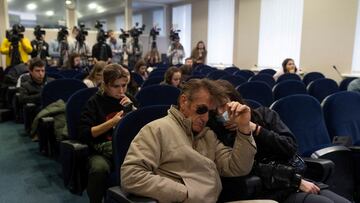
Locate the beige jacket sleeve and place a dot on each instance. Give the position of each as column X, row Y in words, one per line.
column 236, row 161
column 137, row 171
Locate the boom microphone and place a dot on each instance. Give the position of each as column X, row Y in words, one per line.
column 338, row 72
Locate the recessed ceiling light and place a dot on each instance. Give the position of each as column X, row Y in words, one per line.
column 68, row 2
column 49, row 13
column 9, row 1
column 31, row 6
column 100, row 9
column 92, row 6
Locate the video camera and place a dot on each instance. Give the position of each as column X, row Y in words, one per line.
column 15, row 34
column 62, row 34
column 174, row 34
column 38, row 32
column 154, row 32
column 101, row 35
column 136, row 31
column 82, row 33
column 124, row 35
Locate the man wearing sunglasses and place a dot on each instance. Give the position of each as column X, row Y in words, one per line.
column 178, row 159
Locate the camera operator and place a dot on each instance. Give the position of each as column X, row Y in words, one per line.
column 15, row 46
column 152, row 57
column 116, row 47
column 101, row 51
column 40, row 47
column 135, row 47
column 176, row 51
column 80, row 46
column 59, row 47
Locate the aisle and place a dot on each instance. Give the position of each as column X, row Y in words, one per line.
column 27, row 176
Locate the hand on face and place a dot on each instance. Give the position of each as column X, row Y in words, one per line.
column 240, row 115
column 125, row 100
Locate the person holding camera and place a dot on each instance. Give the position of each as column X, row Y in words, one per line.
column 40, row 46
column 15, row 46
column 134, row 51
column 80, row 46
column 59, row 47
column 176, row 51
column 101, row 51
column 100, row 116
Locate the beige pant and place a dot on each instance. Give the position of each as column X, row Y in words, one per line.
column 255, row 201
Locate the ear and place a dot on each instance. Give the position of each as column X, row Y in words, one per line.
column 183, row 100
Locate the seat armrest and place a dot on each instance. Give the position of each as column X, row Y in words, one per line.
column 355, row 149
column 75, row 145
column 240, row 188
column 115, row 194
column 46, row 134
column 319, row 170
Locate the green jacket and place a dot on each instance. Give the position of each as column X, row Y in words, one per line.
column 57, row 111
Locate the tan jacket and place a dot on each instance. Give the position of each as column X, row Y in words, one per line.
column 166, row 162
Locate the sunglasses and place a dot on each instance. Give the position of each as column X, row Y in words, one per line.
column 202, row 109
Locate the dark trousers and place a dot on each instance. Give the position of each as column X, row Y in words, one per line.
column 99, row 170
column 325, row 196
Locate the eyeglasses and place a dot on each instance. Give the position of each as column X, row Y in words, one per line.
column 202, row 109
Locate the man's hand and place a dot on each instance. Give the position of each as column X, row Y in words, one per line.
column 309, row 187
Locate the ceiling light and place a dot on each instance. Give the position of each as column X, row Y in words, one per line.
column 68, row 2
column 100, row 9
column 49, row 13
column 9, row 1
column 92, row 6
column 31, row 6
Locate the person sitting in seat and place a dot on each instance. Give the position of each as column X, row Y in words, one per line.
column 101, row 114
column 172, row 77
column 275, row 144
column 288, row 66
column 95, row 77
column 178, row 159
column 140, row 68
column 74, row 62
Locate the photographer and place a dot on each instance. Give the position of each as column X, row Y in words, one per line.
column 116, row 47
column 101, row 51
column 135, row 47
column 176, row 51
column 80, row 46
column 40, row 47
column 15, row 46
column 59, row 47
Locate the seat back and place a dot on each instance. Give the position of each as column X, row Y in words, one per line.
column 309, row 77
column 60, row 89
column 153, row 81
column 268, row 79
column 288, row 76
column 137, row 78
column 342, row 114
column 235, row 80
column 288, row 87
column 321, row 88
column 157, row 73
column 214, row 75
column 303, row 115
column 268, row 71
column 345, row 83
column 258, row 91
column 231, row 70
column 54, row 75
column 74, row 108
column 68, row 73
column 157, row 95
column 128, row 128
column 244, row 73
column 252, row 103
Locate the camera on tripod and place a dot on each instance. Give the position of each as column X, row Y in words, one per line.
column 136, row 31
column 174, row 34
column 62, row 34
column 101, row 35
column 82, row 33
column 124, row 35
column 16, row 33
column 154, row 32
column 38, row 32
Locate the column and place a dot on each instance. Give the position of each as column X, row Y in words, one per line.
column 128, row 14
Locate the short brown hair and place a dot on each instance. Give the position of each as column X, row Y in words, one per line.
column 192, row 86
column 36, row 62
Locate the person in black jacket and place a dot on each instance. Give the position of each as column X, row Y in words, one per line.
column 101, row 114
column 101, row 51
column 275, row 143
column 39, row 45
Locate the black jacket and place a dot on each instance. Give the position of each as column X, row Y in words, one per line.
column 101, row 51
column 99, row 109
column 30, row 91
column 40, row 48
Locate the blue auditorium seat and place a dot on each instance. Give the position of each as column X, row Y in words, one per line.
column 345, row 83
column 68, row 73
column 288, row 76
column 235, row 80
column 137, row 78
column 268, row 71
column 244, row 73
column 311, row 76
column 231, row 70
column 252, row 103
column 321, row 88
column 157, row 95
column 288, row 87
column 214, row 75
column 268, row 79
column 152, row 81
column 258, row 91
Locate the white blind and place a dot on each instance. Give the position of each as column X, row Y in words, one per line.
column 280, row 31
column 120, row 22
column 181, row 19
column 356, row 54
column 158, row 20
column 220, row 32
column 137, row 18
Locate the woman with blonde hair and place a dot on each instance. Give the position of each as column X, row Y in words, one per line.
column 95, row 77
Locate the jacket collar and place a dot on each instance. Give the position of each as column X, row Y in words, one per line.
column 185, row 123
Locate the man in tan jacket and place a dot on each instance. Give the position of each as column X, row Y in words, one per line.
column 178, row 159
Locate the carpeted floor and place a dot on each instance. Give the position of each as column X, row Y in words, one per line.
column 27, row 176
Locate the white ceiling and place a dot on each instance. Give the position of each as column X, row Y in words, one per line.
column 58, row 7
